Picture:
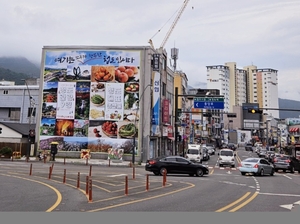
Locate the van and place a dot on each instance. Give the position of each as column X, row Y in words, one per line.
column 226, row 157
column 193, row 153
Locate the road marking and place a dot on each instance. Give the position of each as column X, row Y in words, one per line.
column 234, row 203
column 245, row 202
column 289, row 206
column 59, row 196
column 285, row 195
column 117, row 175
column 287, row 177
column 143, row 199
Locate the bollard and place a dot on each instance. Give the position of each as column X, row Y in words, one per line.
column 164, row 178
column 130, row 164
column 44, row 158
column 90, row 174
column 78, row 180
column 52, row 167
column 133, row 172
column 90, row 190
column 64, row 160
column 30, row 172
column 109, row 162
column 64, row 179
column 87, row 185
column 49, row 172
column 126, row 185
column 87, row 162
column 147, row 182
column 12, row 158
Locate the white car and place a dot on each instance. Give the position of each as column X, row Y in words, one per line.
column 226, row 157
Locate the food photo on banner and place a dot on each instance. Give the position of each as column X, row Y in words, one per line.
column 90, row 100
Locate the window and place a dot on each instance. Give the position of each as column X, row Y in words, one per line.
column 31, row 110
column 5, row 92
column 181, row 160
column 14, row 114
column 170, row 159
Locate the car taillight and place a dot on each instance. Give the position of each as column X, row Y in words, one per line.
column 239, row 165
column 255, row 166
column 151, row 162
column 275, row 160
column 288, row 161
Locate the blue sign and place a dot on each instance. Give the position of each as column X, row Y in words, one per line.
column 209, row 105
column 212, row 103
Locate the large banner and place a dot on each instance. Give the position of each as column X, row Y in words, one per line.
column 156, row 105
column 90, row 100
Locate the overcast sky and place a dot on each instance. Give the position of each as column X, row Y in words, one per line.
column 209, row 32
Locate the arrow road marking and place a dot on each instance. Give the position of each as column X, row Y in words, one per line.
column 289, row 206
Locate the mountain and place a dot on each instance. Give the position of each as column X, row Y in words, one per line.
column 20, row 65
column 17, row 68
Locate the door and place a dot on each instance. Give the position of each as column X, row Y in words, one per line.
column 183, row 166
column 266, row 165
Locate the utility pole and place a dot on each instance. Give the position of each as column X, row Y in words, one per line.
column 176, row 120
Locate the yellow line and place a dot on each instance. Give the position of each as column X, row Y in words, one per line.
column 244, row 203
column 233, row 203
column 212, row 171
column 143, row 199
column 59, row 196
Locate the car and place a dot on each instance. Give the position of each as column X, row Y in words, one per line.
column 175, row 165
column 226, row 157
column 270, row 156
column 211, row 150
column 256, row 166
column 262, row 153
column 248, row 147
column 286, row 163
column 193, row 154
column 206, row 155
column 231, row 146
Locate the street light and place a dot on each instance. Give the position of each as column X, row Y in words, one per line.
column 30, row 133
column 138, row 106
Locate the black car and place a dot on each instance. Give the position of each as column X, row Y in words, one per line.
column 175, row 165
column 231, row 146
column 286, row 163
column 248, row 147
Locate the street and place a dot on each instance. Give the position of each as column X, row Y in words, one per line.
column 32, row 187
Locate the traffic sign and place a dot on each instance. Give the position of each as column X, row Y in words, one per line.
column 215, row 103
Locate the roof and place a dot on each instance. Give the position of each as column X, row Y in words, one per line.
column 19, row 127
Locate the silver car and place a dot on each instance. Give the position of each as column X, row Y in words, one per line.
column 256, row 166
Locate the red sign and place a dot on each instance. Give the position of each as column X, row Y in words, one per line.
column 166, row 113
column 170, row 131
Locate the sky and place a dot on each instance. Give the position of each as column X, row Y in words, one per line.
column 209, row 32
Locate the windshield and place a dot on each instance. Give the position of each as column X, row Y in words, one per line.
column 193, row 151
column 251, row 160
column 226, row 153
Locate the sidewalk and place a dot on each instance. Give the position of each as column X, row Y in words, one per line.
column 84, row 161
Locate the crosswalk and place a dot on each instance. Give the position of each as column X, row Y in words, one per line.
column 222, row 168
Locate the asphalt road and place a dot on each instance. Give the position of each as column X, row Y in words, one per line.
column 29, row 186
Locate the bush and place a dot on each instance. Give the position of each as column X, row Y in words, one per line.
column 6, row 151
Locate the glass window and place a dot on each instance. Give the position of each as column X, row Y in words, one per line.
column 193, row 151
column 171, row 159
column 181, row 160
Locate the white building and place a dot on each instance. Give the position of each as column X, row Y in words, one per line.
column 218, row 77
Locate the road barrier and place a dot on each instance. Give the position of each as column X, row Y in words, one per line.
column 109, row 162
column 164, row 178
column 126, row 185
column 87, row 185
column 90, row 190
column 147, row 182
column 78, row 180
column 30, row 171
column 90, row 174
column 133, row 172
column 87, row 161
column 64, row 179
column 50, row 172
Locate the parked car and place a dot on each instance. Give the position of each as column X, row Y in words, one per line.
column 270, row 155
column 256, row 166
column 231, row 146
column 206, row 155
column 175, row 165
column 226, row 157
column 211, row 149
column 249, row 147
column 286, row 163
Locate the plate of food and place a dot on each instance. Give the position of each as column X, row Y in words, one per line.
column 132, row 87
column 110, row 128
column 127, row 130
column 97, row 114
column 103, row 73
column 97, row 100
column 131, row 117
column 125, row 74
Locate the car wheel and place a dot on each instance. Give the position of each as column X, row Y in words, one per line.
column 162, row 171
column 272, row 172
column 243, row 173
column 262, row 173
column 284, row 171
column 220, row 165
column 232, row 166
column 276, row 170
column 292, row 170
column 199, row 173
column 156, row 173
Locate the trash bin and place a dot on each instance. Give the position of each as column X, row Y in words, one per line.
column 53, row 150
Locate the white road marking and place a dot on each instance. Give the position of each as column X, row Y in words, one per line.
column 287, row 177
column 289, row 206
column 285, row 195
column 117, row 175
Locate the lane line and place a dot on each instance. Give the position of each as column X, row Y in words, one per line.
column 245, row 202
column 233, row 203
column 59, row 196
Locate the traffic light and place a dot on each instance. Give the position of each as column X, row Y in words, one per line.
column 254, row 111
column 0, row 130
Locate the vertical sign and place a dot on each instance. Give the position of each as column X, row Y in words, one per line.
column 156, row 103
column 114, row 97
column 66, row 100
column 155, row 62
column 166, row 113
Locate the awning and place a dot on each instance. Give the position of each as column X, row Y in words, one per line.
column 296, row 130
column 171, row 138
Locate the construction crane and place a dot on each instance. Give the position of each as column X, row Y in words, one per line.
column 173, row 25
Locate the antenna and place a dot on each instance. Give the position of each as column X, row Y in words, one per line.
column 174, row 56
